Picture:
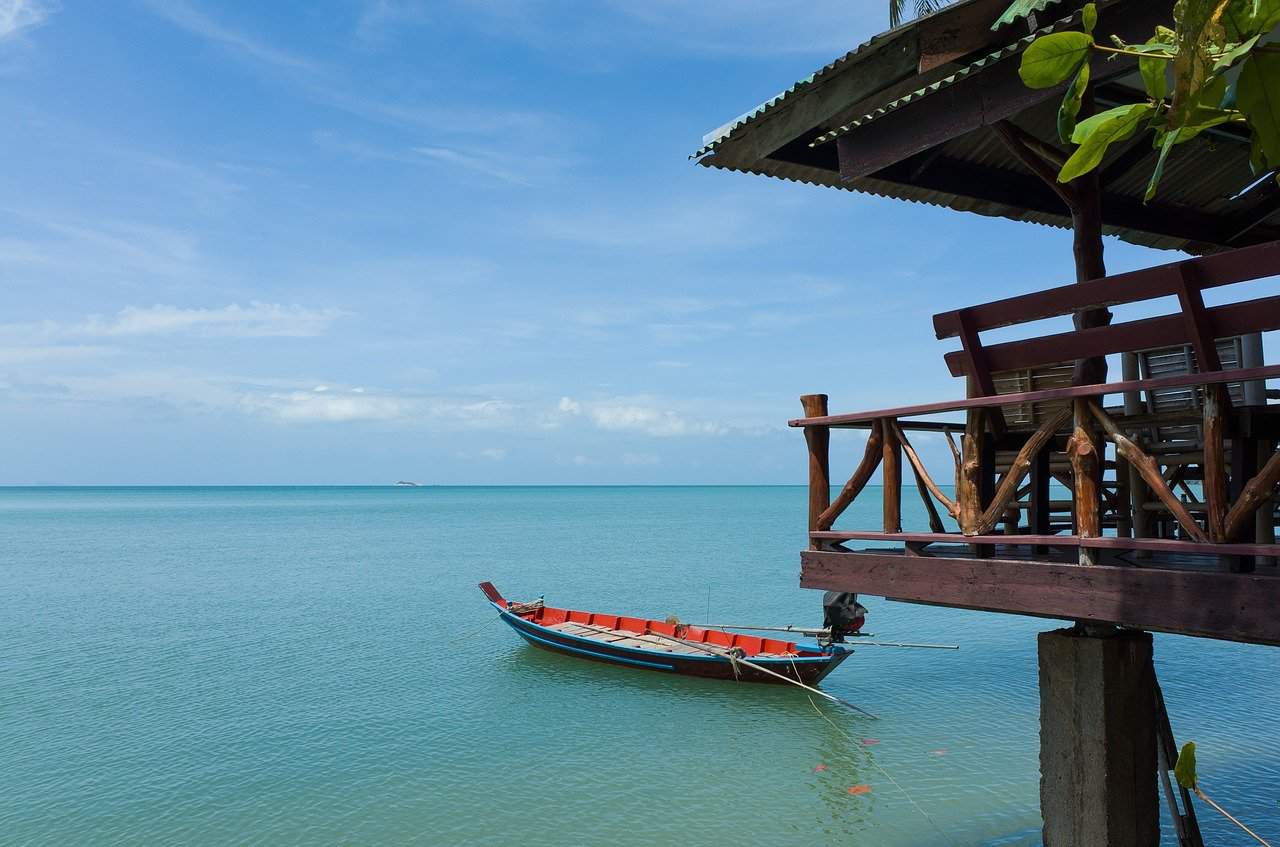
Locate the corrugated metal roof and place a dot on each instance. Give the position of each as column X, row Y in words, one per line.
column 1200, row 181
column 986, row 61
column 1021, row 9
column 713, row 139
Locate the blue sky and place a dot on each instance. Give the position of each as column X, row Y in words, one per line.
column 458, row 242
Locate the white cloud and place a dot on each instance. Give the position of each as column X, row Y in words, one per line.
column 303, row 406
column 569, row 406
column 256, row 320
column 328, row 86
column 494, row 454
column 188, row 17
column 657, row 422
column 639, row 459
column 253, row 321
column 490, row 164
column 19, row 15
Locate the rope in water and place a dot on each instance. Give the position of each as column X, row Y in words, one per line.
column 886, row 774
column 764, row 670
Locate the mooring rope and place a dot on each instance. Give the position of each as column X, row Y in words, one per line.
column 886, row 774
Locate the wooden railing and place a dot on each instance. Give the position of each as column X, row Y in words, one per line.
column 982, row 502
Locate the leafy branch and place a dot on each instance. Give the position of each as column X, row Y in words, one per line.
column 1185, row 772
column 1209, row 70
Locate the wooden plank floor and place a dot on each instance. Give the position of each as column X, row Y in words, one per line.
column 623, row 638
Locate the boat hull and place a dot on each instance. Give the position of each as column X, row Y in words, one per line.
column 808, row 669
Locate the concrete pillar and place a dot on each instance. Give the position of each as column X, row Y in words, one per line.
column 1098, row 740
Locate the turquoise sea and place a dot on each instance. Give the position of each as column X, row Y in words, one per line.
column 276, row 666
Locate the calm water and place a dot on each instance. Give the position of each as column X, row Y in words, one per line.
column 315, row 666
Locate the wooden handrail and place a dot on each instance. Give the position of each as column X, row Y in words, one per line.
column 1209, row 272
column 1258, row 315
column 1106, row 542
column 1064, row 393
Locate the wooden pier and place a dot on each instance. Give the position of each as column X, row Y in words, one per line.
column 1144, row 503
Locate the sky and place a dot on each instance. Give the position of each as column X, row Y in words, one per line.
column 452, row 242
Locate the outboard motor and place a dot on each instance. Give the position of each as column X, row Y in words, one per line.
column 842, row 614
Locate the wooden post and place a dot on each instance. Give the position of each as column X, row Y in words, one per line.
column 968, row 494
column 891, row 466
column 1039, row 514
column 819, row 440
column 1085, row 464
column 1264, row 518
column 1215, row 467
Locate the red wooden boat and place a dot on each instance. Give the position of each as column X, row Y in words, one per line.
column 665, row 646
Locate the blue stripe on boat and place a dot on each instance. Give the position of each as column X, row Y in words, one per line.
column 523, row 627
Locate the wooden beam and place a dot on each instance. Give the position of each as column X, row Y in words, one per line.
column 1018, row 469
column 1257, row 491
column 935, row 520
column 891, row 477
column 968, row 484
column 858, row 481
column 1026, row 193
column 922, row 475
column 1198, row 326
column 1150, row 472
column 1259, row 315
column 1235, row 607
column 1083, row 451
column 1102, row 542
column 1028, row 150
column 975, row 356
column 1216, row 403
column 993, row 94
column 818, row 438
column 1064, row 393
column 1219, row 269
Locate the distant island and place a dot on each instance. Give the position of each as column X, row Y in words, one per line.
column 408, row 484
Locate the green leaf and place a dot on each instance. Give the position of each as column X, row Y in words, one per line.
column 1185, row 769
column 1231, row 56
column 1094, row 137
column 1052, row 58
column 1258, row 96
column 1089, row 17
column 1210, row 96
column 1155, row 77
column 1202, row 119
column 1070, row 107
column 1091, row 123
column 1170, row 139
